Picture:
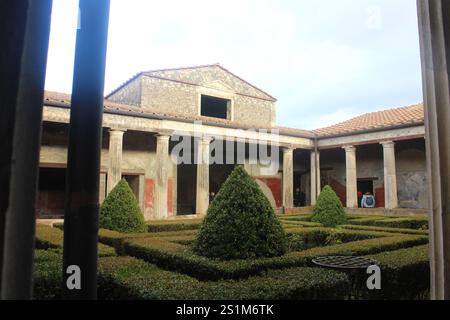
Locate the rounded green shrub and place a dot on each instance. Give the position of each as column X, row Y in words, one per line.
column 328, row 210
column 240, row 223
column 120, row 211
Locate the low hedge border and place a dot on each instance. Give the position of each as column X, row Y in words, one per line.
column 405, row 274
column 130, row 278
column 139, row 280
column 339, row 230
column 301, row 217
column 52, row 238
column 406, row 223
column 294, row 223
column 351, row 216
column 116, row 239
column 59, row 226
column 385, row 229
column 366, row 221
column 401, row 222
column 177, row 257
column 47, row 274
column 174, row 225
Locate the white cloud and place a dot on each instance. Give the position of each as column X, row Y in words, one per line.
column 374, row 17
column 318, row 55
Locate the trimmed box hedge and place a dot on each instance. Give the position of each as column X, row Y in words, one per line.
column 177, row 257
column 47, row 274
column 294, row 223
column 301, row 217
column 405, row 274
column 162, row 266
column 52, row 238
column 407, row 223
column 130, row 278
column 395, row 222
column 385, row 229
column 174, row 225
column 405, row 270
column 365, row 221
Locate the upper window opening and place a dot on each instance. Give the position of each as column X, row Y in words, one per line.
column 215, row 107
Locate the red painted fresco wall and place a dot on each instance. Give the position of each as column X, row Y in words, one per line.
column 170, row 197
column 379, row 197
column 275, row 186
column 340, row 190
column 149, row 194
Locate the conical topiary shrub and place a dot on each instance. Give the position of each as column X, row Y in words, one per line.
column 120, row 210
column 328, row 210
column 240, row 223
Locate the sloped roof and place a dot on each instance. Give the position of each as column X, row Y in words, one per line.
column 63, row 99
column 409, row 115
column 159, row 73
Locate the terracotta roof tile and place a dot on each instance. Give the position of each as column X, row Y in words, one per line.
column 63, row 98
column 413, row 114
column 409, row 115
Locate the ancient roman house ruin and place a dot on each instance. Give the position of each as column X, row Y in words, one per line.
column 382, row 152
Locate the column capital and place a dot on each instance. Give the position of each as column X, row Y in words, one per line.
column 387, row 144
column 163, row 136
column 116, row 131
column 205, row 139
column 287, row 149
column 349, row 148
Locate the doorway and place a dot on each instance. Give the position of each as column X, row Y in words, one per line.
column 365, row 186
column 133, row 182
column 51, row 192
column 186, row 189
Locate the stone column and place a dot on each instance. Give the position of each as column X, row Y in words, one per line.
column 102, row 188
column 318, row 182
column 313, row 174
column 434, row 31
column 351, row 176
column 202, row 201
column 288, row 178
column 115, row 158
column 390, row 175
column 161, row 181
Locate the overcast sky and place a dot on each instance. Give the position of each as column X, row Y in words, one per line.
column 325, row 61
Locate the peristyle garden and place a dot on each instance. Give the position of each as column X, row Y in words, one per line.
column 242, row 250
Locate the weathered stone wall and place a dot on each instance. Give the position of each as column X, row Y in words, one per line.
column 169, row 96
column 212, row 76
column 254, row 112
column 139, row 158
column 412, row 176
column 129, row 94
column 180, row 92
column 410, row 166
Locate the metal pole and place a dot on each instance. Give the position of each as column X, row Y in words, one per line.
column 20, row 216
column 83, row 165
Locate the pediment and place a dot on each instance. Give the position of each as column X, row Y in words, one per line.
column 218, row 85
